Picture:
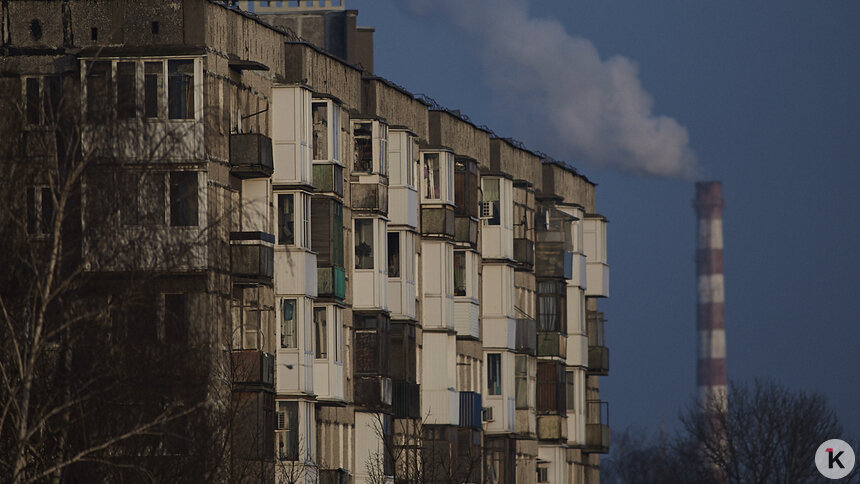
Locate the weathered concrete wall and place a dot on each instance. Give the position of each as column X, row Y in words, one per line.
column 398, row 107
column 572, row 187
column 323, row 72
column 461, row 136
column 518, row 163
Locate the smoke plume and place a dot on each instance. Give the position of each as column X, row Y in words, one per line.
column 569, row 102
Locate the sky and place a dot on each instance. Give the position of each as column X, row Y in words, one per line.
column 645, row 98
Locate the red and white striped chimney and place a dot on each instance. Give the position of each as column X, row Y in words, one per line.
column 711, row 315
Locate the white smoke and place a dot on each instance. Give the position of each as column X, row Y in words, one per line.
column 569, row 101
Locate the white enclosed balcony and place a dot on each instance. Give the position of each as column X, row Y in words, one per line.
column 294, row 357
column 328, row 352
column 402, row 273
column 290, row 115
column 370, row 279
column 594, row 245
column 440, row 400
column 499, row 392
column 497, row 207
column 467, row 308
column 403, row 190
column 437, row 283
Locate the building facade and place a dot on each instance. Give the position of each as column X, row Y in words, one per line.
column 403, row 295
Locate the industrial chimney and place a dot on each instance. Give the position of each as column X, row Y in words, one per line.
column 711, row 315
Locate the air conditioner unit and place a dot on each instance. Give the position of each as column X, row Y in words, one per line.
column 487, row 210
column 487, row 414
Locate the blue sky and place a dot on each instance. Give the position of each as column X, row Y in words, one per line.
column 769, row 96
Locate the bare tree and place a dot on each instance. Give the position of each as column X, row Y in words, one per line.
column 98, row 373
column 766, row 433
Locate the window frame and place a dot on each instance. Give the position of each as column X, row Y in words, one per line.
column 446, row 174
column 357, row 262
column 377, row 139
column 494, row 374
column 283, row 324
column 287, row 423
column 37, row 211
column 321, row 351
column 333, row 131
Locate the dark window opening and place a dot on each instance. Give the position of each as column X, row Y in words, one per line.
column 363, row 243
column 155, row 27
column 98, row 89
column 183, row 198
column 36, row 29
column 126, row 90
column 40, row 210
column 321, row 332
column 288, row 430
column 33, row 101
column 393, row 254
column 494, row 374
column 286, row 219
column 94, row 33
column 459, row 273
column 180, row 89
column 289, row 337
column 152, row 88
column 363, row 155
column 551, row 305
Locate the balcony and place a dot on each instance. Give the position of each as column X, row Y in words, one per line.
column 252, row 257
column 437, row 220
column 328, row 178
column 597, row 427
column 598, row 353
column 256, row 368
column 370, row 197
column 251, row 155
column 525, row 340
column 552, row 427
column 524, row 252
column 552, row 261
column 470, row 410
column 466, row 230
column 373, row 391
column 331, row 282
column 552, row 344
column 406, row 399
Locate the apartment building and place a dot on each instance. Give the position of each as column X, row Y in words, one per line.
column 403, row 295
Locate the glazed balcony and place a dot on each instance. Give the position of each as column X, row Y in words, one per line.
column 370, row 197
column 470, row 410
column 253, row 368
column 525, row 340
column 552, row 344
column 597, row 427
column 598, row 353
column 437, row 220
column 406, row 399
column 466, row 230
column 252, row 257
column 328, row 178
column 524, row 252
column 331, row 282
column 251, row 155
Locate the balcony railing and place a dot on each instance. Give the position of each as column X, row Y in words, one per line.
column 251, row 367
column 470, row 410
column 328, row 178
column 597, row 427
column 251, row 155
column 466, row 230
column 437, row 220
column 373, row 392
column 405, row 399
column 524, row 252
column 598, row 353
column 552, row 344
column 331, row 282
column 525, row 340
column 551, row 260
column 252, row 256
column 372, row 197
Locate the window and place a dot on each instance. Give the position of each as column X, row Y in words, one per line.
column 126, row 90
column 337, row 237
column 542, row 473
column 363, row 243
column 491, row 195
column 408, row 161
column 306, row 221
column 494, row 373
column 183, row 198
column 175, row 319
column 289, row 338
column 571, row 395
column 432, row 175
column 153, row 88
column 180, row 89
column 288, row 430
column 393, row 254
column 251, row 329
column 338, row 335
column 521, row 375
column 321, row 130
column 320, row 332
column 363, row 154
column 459, row 273
column 40, row 211
column 142, row 199
column 382, row 149
column 33, row 100
column 551, row 306
column 466, row 187
column 94, row 34
column 286, row 222
column 98, row 89
column 551, row 389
